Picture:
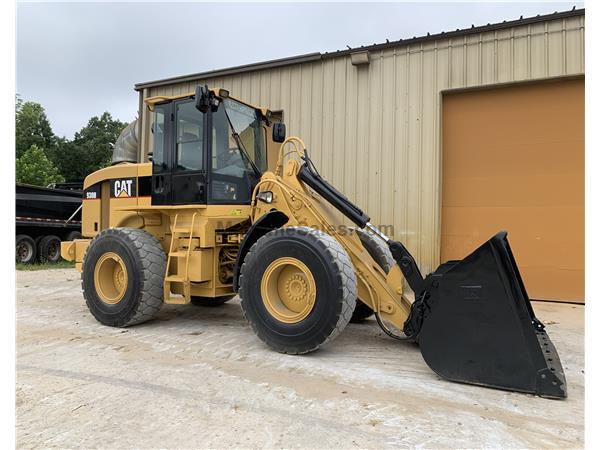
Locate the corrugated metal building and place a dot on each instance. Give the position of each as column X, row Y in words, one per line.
column 447, row 137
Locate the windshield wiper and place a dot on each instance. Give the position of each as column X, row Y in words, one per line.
column 241, row 145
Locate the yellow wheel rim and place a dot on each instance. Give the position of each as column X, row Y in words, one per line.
column 288, row 290
column 110, row 278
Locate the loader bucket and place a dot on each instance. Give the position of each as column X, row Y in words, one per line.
column 479, row 326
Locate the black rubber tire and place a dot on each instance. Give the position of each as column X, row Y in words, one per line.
column 380, row 252
column 73, row 235
column 361, row 313
column 145, row 261
column 210, row 301
column 335, row 281
column 25, row 249
column 49, row 249
column 37, row 246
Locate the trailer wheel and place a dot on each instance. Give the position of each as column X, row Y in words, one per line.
column 73, row 235
column 297, row 289
column 210, row 301
column 37, row 240
column 25, row 249
column 49, row 249
column 380, row 252
column 123, row 276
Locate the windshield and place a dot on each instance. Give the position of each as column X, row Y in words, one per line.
column 238, row 152
column 245, row 122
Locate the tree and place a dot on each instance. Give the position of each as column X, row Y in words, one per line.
column 33, row 167
column 90, row 149
column 32, row 128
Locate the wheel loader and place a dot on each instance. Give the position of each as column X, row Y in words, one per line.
column 229, row 206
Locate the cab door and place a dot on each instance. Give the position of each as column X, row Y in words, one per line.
column 161, row 154
column 189, row 154
column 179, row 154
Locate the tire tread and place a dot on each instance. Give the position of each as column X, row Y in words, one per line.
column 346, row 282
column 151, row 260
column 380, row 252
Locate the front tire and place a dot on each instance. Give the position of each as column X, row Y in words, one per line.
column 297, row 289
column 123, row 276
column 380, row 252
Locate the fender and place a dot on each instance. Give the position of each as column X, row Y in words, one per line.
column 268, row 222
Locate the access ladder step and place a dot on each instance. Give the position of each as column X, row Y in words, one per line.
column 179, row 254
column 177, row 300
column 175, row 279
column 180, row 230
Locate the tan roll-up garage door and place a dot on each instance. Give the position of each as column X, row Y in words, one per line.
column 513, row 159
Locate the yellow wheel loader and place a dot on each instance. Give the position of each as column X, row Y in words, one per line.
column 229, row 206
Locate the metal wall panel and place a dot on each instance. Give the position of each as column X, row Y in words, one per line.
column 374, row 131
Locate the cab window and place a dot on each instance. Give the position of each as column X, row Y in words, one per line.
column 238, row 152
column 158, row 137
column 189, row 137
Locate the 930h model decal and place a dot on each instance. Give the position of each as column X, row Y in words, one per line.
column 93, row 192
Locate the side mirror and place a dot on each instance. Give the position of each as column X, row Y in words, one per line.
column 279, row 132
column 202, row 98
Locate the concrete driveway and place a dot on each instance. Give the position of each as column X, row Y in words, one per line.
column 198, row 377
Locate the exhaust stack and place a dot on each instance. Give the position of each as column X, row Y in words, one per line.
column 127, row 145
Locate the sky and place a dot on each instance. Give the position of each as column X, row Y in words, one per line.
column 81, row 59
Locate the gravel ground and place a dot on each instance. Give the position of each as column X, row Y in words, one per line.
column 198, row 377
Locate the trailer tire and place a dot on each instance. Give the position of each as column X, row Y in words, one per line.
column 73, row 235
column 297, row 289
column 380, row 252
column 123, row 276
column 37, row 240
column 49, row 249
column 25, row 249
column 210, row 301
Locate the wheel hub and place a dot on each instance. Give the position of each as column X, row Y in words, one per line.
column 24, row 251
column 296, row 288
column 288, row 290
column 110, row 278
column 54, row 251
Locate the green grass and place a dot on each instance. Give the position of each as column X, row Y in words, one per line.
column 62, row 264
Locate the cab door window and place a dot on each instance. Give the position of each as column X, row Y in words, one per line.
column 161, row 157
column 236, row 151
column 189, row 138
column 158, row 138
column 188, row 168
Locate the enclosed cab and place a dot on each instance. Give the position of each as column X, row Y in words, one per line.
column 202, row 171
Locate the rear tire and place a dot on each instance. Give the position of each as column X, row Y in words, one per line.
column 49, row 249
column 361, row 313
column 297, row 289
column 123, row 276
column 25, row 249
column 380, row 252
column 210, row 301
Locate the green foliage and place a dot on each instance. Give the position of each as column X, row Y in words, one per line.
column 33, row 167
column 62, row 264
column 90, row 149
column 32, row 128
